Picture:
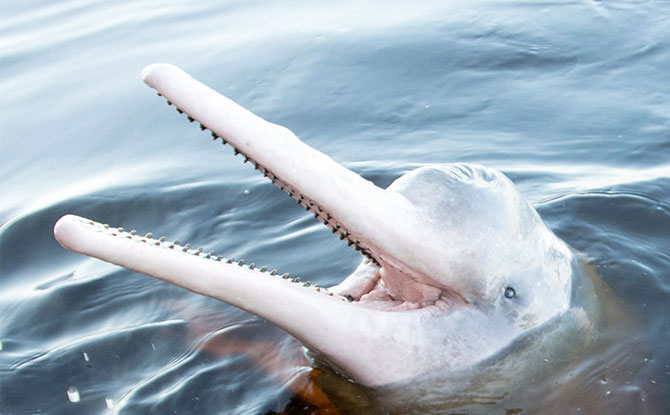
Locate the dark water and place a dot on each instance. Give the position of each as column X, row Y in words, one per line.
column 570, row 99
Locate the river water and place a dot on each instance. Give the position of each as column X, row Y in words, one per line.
column 570, row 99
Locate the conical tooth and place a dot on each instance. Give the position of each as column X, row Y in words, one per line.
column 230, row 260
column 273, row 272
column 190, row 119
column 307, row 284
column 133, row 232
column 263, row 268
column 202, row 127
column 176, row 242
column 240, row 262
column 285, row 276
column 148, row 235
column 168, row 102
column 162, row 239
column 252, row 266
column 180, row 111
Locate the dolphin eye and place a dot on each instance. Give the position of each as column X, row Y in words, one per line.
column 510, row 292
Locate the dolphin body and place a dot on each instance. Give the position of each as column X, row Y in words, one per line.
column 458, row 274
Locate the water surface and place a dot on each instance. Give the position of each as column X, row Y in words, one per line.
column 571, row 100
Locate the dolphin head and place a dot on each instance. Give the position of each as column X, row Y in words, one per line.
column 476, row 240
column 456, row 264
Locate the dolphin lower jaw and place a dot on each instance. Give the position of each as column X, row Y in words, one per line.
column 349, row 343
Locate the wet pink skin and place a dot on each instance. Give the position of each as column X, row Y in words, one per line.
column 442, row 246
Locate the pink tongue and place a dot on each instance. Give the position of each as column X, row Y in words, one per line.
column 402, row 286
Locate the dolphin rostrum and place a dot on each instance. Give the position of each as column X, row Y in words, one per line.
column 457, row 267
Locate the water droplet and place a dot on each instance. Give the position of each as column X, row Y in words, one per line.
column 246, row 191
column 608, row 393
column 73, row 394
column 86, row 358
column 109, row 402
column 0, row 345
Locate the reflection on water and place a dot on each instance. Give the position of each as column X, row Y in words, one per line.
column 560, row 97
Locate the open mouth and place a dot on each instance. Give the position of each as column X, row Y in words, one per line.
column 365, row 287
column 449, row 252
column 398, row 285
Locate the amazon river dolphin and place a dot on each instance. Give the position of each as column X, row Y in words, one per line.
column 458, row 270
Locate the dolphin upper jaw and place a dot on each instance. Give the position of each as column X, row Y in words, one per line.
column 417, row 302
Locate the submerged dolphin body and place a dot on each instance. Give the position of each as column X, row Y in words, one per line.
column 458, row 268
